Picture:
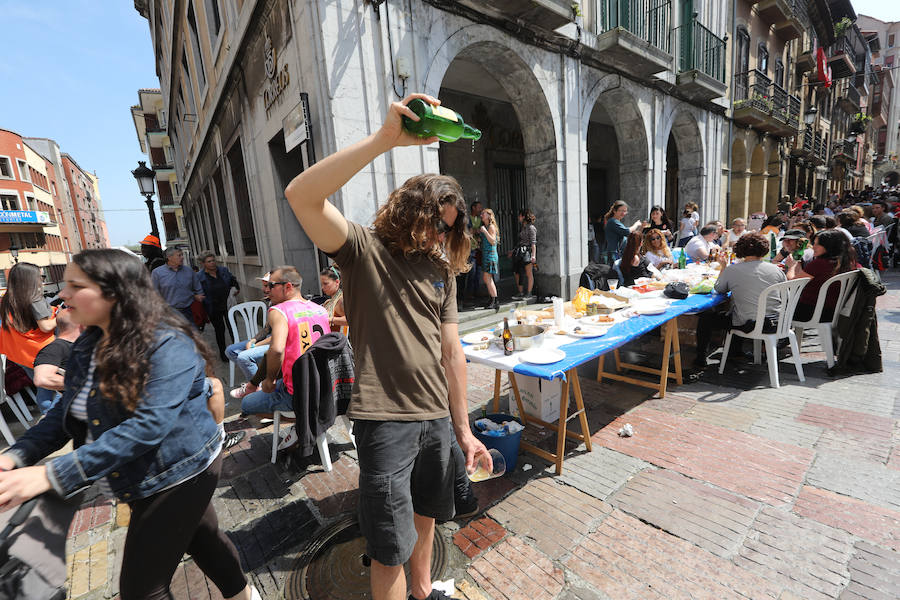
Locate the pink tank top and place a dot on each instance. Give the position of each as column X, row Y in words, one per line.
column 307, row 322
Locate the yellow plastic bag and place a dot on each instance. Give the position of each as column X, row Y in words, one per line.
column 579, row 302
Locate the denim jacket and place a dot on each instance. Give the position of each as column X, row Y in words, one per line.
column 169, row 437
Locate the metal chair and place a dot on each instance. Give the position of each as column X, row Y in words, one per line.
column 788, row 293
column 846, row 282
column 250, row 312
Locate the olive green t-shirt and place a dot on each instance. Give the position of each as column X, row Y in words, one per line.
column 395, row 306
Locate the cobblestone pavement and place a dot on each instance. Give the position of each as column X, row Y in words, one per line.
column 728, row 489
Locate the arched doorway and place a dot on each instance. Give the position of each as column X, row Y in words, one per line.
column 685, row 138
column 672, row 202
column 617, row 143
column 739, row 181
column 603, row 163
column 515, row 162
column 758, row 181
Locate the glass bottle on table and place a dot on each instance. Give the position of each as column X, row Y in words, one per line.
column 507, row 338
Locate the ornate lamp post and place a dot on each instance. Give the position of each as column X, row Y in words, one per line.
column 146, row 179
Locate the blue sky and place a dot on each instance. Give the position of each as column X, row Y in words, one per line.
column 70, row 72
column 72, row 69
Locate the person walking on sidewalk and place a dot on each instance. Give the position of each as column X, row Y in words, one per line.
column 524, row 257
column 135, row 406
column 489, row 234
column 217, row 284
column 410, row 366
column 178, row 285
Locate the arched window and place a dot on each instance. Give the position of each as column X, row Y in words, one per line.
column 779, row 73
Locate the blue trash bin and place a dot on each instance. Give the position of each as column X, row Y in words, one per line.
column 507, row 445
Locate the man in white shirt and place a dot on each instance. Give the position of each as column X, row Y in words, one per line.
column 699, row 246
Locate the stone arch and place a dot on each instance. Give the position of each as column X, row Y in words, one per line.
column 488, row 48
column 610, row 95
column 758, row 179
column 740, row 179
column 691, row 172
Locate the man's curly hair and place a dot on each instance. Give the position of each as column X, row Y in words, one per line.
column 407, row 223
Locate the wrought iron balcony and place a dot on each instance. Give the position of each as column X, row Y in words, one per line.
column 803, row 144
column 849, row 99
column 845, row 151
column 788, row 16
column 842, row 58
column 765, row 105
column 633, row 35
column 701, row 61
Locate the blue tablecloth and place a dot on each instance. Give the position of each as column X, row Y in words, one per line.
column 583, row 350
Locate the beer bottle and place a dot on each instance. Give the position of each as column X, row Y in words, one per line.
column 438, row 121
column 507, row 338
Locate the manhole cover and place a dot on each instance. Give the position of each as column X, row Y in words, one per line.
column 333, row 565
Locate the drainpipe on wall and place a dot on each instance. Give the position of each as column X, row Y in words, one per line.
column 728, row 216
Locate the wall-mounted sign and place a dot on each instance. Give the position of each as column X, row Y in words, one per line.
column 296, row 124
column 277, row 79
column 35, row 217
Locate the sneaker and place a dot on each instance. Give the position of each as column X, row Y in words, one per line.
column 519, row 296
column 434, row 595
column 466, row 507
column 233, row 439
column 289, row 440
column 246, row 388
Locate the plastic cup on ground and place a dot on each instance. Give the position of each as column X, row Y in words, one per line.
column 482, row 474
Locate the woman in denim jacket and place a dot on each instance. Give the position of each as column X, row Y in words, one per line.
column 135, row 407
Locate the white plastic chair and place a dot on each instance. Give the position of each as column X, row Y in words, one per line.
column 15, row 403
column 846, row 282
column 250, row 311
column 789, row 294
column 321, row 441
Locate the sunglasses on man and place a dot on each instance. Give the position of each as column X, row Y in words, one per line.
column 272, row 284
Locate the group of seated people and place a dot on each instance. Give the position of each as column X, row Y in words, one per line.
column 829, row 255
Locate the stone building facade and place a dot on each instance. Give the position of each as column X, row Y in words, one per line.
column 149, row 118
column 577, row 111
column 886, row 100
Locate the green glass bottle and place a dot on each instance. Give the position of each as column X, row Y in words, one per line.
column 438, row 121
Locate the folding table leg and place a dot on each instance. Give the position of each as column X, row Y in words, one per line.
column 497, row 374
column 664, row 371
column 515, row 390
column 561, row 429
column 676, row 353
column 572, row 375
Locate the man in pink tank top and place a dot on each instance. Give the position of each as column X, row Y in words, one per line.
column 296, row 325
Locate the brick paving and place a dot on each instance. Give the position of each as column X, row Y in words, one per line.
column 728, row 489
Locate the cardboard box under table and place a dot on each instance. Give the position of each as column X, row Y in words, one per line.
column 578, row 352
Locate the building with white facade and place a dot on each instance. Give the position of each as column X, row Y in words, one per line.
column 886, row 114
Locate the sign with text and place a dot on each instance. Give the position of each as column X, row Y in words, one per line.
column 296, row 124
column 36, row 217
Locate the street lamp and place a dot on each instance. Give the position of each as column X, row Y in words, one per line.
column 146, row 179
column 14, row 252
column 809, row 117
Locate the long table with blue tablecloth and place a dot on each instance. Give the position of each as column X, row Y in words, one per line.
column 580, row 351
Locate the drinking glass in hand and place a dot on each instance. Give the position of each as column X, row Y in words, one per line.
column 482, row 474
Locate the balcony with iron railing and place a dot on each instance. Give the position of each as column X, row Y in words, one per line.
column 765, row 105
column 803, row 144
column 701, row 61
column 820, row 149
column 849, row 100
column 845, row 151
column 842, row 58
column 788, row 16
column 632, row 35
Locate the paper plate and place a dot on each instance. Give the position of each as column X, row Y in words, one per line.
column 542, row 356
column 650, row 309
column 589, row 332
column 597, row 321
column 478, row 337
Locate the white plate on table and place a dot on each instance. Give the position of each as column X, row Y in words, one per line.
column 588, row 331
column 542, row 356
column 478, row 337
column 650, row 308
